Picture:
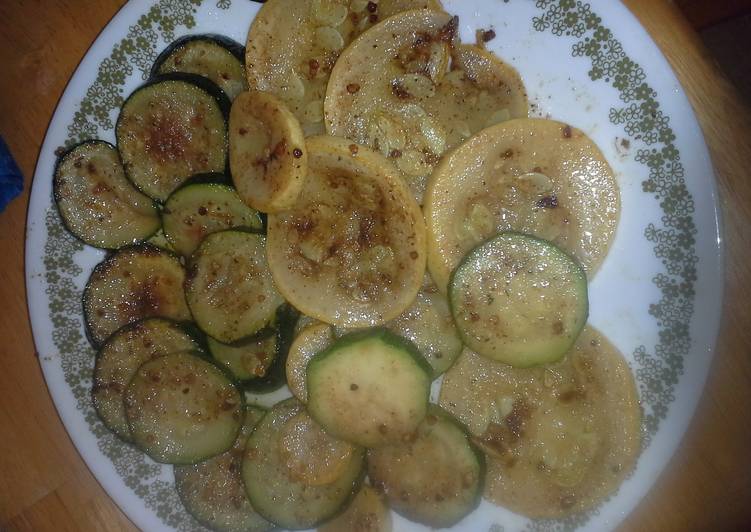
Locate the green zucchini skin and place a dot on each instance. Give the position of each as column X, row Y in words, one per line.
column 218, row 58
column 96, row 202
column 275, row 494
column 207, row 178
column 448, row 489
column 134, row 283
column 276, row 375
column 121, row 356
column 182, row 409
column 197, row 209
column 519, row 300
column 287, row 317
column 213, row 491
column 370, row 387
column 160, row 151
column 229, row 288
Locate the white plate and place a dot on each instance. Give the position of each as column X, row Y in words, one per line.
column 657, row 296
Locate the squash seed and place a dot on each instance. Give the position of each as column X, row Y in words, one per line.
column 328, row 13
column 329, row 38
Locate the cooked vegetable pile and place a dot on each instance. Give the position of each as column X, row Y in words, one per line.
column 353, row 206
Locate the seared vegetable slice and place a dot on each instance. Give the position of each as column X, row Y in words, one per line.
column 213, row 491
column 134, row 283
column 249, row 359
column 196, row 210
column 182, row 409
column 534, row 176
column 215, row 57
column 122, row 355
column 297, row 67
column 419, row 92
column 267, row 154
column 258, row 363
column 96, row 201
column 436, row 477
column 429, row 324
column 558, row 438
column 312, row 340
column 351, row 250
column 369, row 387
column 171, row 128
column 295, row 474
column 229, row 288
column 366, row 513
column 519, row 300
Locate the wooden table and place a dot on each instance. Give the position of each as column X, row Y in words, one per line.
column 44, row 484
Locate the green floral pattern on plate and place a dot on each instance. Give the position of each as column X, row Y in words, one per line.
column 674, row 236
column 640, row 115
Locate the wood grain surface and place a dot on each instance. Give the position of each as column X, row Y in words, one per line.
column 44, row 484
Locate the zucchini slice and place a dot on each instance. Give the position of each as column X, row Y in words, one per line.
column 249, row 359
column 215, row 57
column 519, row 300
column 229, row 288
column 351, row 250
column 370, row 388
column 267, row 154
column 134, row 283
column 182, row 409
column 534, row 176
column 419, row 92
column 122, row 355
column 96, row 201
column 258, row 363
column 312, row 340
column 171, row 128
column 213, row 492
column 297, row 67
column 429, row 324
column 436, row 477
column 368, row 512
column 559, row 438
column 196, row 210
column 295, row 474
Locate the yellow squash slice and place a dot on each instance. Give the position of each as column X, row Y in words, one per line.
column 312, row 340
column 293, row 45
column 351, row 252
column 407, row 88
column 534, row 176
column 267, row 153
column 558, row 438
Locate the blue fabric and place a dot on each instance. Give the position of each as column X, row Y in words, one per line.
column 11, row 180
